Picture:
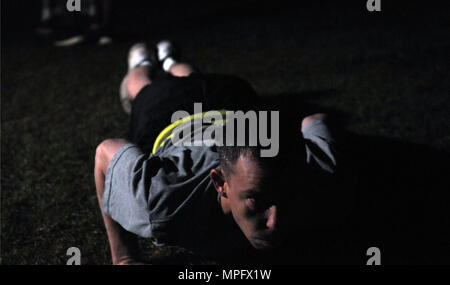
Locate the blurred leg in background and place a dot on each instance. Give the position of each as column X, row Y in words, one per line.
column 44, row 28
column 91, row 25
column 100, row 13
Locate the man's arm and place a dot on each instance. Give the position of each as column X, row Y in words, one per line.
column 123, row 244
column 320, row 144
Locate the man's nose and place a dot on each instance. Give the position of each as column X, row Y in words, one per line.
column 272, row 217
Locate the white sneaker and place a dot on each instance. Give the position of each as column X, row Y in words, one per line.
column 138, row 55
column 166, row 54
column 164, row 49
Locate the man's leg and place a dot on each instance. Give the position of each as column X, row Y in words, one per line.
column 141, row 62
column 169, row 61
column 138, row 75
column 181, row 69
column 123, row 244
column 138, row 78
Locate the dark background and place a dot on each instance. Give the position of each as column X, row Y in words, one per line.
column 383, row 76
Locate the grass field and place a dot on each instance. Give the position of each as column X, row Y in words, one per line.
column 388, row 74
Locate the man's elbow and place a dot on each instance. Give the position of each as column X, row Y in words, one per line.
column 309, row 119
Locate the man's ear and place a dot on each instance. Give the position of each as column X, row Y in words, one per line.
column 218, row 179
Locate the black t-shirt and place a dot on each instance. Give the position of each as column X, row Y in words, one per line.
column 155, row 104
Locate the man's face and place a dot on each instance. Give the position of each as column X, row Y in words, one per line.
column 254, row 203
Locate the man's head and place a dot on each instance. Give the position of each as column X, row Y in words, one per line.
column 251, row 191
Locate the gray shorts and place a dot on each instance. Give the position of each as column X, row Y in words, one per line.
column 126, row 194
column 127, row 182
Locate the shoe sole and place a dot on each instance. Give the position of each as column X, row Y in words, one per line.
column 69, row 42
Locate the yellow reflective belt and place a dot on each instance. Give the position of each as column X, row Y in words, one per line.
column 167, row 132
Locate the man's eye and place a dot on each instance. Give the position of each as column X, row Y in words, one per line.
column 251, row 203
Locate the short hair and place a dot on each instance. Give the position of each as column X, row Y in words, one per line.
column 228, row 155
column 291, row 152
